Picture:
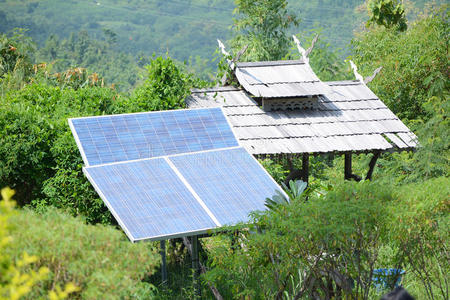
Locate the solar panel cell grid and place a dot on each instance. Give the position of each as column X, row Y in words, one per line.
column 148, row 199
column 108, row 139
column 230, row 182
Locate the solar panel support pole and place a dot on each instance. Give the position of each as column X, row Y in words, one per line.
column 163, row 262
column 195, row 263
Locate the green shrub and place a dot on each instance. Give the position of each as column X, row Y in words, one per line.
column 14, row 282
column 98, row 259
column 419, row 232
column 166, row 86
column 35, row 145
column 25, row 159
column 307, row 249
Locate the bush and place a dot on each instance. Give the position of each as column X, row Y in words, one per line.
column 419, row 232
column 25, row 159
column 98, row 259
column 165, row 87
column 14, row 282
column 33, row 135
column 325, row 247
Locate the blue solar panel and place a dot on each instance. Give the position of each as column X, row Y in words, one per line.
column 148, row 199
column 107, row 139
column 230, row 182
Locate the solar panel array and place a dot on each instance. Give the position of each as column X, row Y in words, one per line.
column 195, row 179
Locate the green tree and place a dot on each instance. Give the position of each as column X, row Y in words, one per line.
column 263, row 26
column 387, row 13
column 415, row 62
column 165, row 87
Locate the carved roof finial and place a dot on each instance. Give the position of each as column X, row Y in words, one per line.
column 355, row 71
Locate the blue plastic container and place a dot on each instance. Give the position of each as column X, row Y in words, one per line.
column 383, row 278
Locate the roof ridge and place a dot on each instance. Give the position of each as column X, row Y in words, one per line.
column 269, row 63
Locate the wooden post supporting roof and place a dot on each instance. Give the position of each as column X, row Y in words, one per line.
column 372, row 164
column 348, row 175
column 294, row 173
column 305, row 167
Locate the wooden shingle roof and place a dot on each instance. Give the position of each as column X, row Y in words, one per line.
column 279, row 79
column 350, row 117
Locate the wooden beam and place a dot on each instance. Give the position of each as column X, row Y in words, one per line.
column 305, row 167
column 372, row 163
column 348, row 166
column 348, row 175
column 294, row 174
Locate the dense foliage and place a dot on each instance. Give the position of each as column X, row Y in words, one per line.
column 262, row 26
column 419, row 233
column 98, row 259
column 309, row 248
column 389, row 13
column 415, row 62
column 329, row 246
column 15, row 282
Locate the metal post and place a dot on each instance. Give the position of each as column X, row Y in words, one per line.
column 195, row 263
column 163, row 262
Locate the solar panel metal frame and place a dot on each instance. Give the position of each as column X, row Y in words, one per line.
column 167, row 158
column 82, row 150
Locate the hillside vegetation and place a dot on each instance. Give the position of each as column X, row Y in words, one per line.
column 114, row 37
column 98, row 259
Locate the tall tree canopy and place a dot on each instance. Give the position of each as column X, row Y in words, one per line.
column 415, row 62
column 388, row 13
column 262, row 25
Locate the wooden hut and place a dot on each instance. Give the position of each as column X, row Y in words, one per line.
column 282, row 108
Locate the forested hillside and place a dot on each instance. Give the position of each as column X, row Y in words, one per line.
column 124, row 32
